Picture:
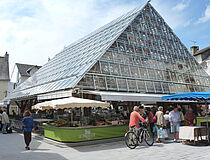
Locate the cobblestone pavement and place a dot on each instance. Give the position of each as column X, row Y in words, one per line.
column 12, row 148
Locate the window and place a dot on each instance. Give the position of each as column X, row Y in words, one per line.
column 105, row 68
column 129, row 48
column 131, row 38
column 122, row 84
column 150, row 86
column 128, row 59
column 173, row 76
column 134, row 71
column 100, row 82
column 180, row 78
column 121, row 47
column 172, row 88
column 114, row 69
column 158, row 87
column 86, row 82
column 95, row 68
column 111, row 83
column 191, row 88
column 165, row 87
column 136, row 60
column 179, row 88
column 132, row 85
column 185, row 88
column 125, row 70
column 107, row 56
column 118, row 57
column 138, row 51
column 159, row 75
column 141, row 86
column 143, row 73
column 151, row 73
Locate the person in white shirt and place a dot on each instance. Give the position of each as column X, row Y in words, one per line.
column 166, row 116
column 174, row 119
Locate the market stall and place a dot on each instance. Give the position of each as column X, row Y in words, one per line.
column 192, row 133
column 82, row 120
column 201, row 97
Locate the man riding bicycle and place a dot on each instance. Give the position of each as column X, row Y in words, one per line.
column 135, row 117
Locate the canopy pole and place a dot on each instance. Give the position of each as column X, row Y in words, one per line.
column 207, row 125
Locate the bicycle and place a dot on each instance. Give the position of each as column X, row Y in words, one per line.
column 138, row 135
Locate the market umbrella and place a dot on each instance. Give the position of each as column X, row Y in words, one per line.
column 191, row 96
column 71, row 102
column 44, row 105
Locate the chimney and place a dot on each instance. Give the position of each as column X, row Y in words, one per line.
column 194, row 49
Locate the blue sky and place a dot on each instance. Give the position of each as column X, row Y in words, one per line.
column 31, row 31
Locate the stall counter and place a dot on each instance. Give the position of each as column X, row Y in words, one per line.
column 202, row 119
column 80, row 134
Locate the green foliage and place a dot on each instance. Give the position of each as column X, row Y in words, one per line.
column 62, row 123
column 92, row 122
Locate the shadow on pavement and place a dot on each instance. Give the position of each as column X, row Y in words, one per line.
column 111, row 146
column 13, row 148
column 99, row 147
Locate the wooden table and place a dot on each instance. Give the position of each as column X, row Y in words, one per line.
column 192, row 133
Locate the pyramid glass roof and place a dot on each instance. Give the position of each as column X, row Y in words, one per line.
column 137, row 52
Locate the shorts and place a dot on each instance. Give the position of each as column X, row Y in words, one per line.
column 175, row 127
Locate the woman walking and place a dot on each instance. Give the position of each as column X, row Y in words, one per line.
column 160, row 121
column 28, row 127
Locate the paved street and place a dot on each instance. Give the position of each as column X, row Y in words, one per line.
column 12, row 148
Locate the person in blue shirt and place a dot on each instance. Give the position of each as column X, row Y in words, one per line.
column 28, row 127
column 175, row 119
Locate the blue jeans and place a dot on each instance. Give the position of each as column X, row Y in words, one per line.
column 175, row 127
column 4, row 128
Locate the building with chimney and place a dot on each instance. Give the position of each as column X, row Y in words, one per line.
column 4, row 76
column 202, row 56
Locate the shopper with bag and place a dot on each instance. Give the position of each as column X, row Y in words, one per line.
column 160, row 124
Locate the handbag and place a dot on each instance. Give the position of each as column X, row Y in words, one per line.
column 160, row 133
column 165, row 133
column 155, row 119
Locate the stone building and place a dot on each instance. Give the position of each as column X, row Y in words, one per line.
column 4, row 76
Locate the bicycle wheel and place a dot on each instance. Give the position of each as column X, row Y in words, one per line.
column 149, row 138
column 131, row 140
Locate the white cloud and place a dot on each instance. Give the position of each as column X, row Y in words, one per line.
column 180, row 6
column 31, row 31
column 187, row 23
column 174, row 18
column 206, row 16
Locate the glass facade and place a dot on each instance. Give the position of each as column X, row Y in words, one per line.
column 149, row 58
column 137, row 52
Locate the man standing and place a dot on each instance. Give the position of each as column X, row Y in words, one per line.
column 174, row 119
column 5, row 121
